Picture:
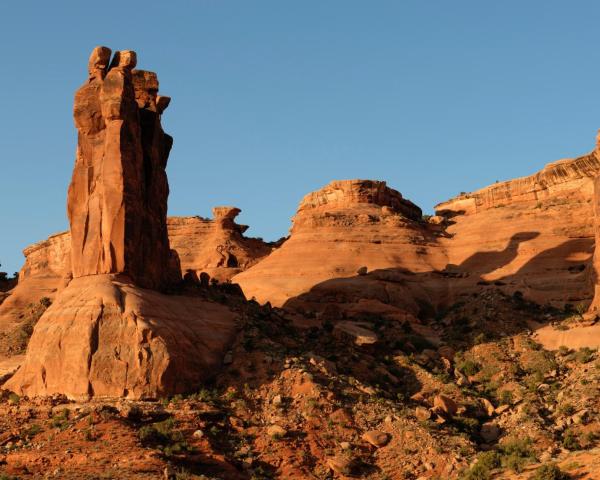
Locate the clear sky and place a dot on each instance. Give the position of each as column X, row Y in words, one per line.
column 273, row 99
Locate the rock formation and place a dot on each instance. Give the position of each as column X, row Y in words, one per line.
column 218, row 246
column 215, row 246
column 117, row 201
column 534, row 234
column 594, row 308
column 46, row 270
column 339, row 229
column 105, row 334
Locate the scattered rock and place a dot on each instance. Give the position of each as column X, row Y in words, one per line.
column 276, row 431
column 341, row 464
column 445, row 404
column 376, row 438
column 490, row 432
column 489, row 408
column 422, row 414
column 359, row 331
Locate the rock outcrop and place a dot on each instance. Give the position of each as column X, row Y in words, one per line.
column 45, row 272
column 105, row 337
column 594, row 308
column 338, row 230
column 117, row 201
column 107, row 334
column 533, row 235
column 218, row 246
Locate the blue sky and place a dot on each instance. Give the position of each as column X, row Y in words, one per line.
column 273, row 99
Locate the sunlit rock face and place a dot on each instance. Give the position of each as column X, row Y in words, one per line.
column 111, row 332
column 117, row 201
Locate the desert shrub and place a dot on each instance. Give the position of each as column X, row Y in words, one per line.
column 477, row 472
column 505, row 397
column 163, row 436
column 563, row 350
column 567, row 409
column 481, row 470
column 550, row 471
column 32, row 430
column 585, row 355
column 570, row 441
column 516, row 453
column 61, row 419
column 469, row 367
column 157, row 433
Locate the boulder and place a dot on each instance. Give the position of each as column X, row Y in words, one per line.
column 376, row 438
column 444, row 404
column 490, row 432
column 358, row 331
column 105, row 337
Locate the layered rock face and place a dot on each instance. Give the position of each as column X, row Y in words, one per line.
column 339, row 229
column 117, row 201
column 218, row 246
column 534, row 234
column 105, row 334
column 46, row 271
column 595, row 305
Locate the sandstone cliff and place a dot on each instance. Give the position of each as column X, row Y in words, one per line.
column 533, row 234
column 339, row 229
column 216, row 246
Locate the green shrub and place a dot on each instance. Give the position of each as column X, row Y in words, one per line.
column 505, row 397
column 570, row 440
column 163, row 436
column 469, row 367
column 567, row 409
column 477, row 472
column 490, row 459
column 486, row 462
column 516, row 453
column 61, row 419
column 585, row 355
column 550, row 471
